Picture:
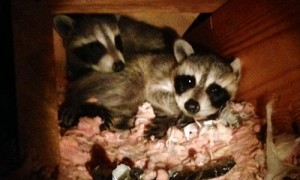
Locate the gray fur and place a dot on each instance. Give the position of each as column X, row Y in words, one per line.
column 79, row 30
column 141, row 37
column 150, row 78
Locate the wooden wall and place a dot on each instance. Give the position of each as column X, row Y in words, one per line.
column 35, row 88
column 266, row 36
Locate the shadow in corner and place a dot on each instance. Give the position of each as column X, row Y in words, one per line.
column 9, row 156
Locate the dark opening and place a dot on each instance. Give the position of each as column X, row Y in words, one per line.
column 8, row 129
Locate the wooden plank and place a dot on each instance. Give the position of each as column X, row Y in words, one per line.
column 242, row 23
column 35, row 88
column 134, row 6
column 272, row 68
column 269, row 61
column 266, row 36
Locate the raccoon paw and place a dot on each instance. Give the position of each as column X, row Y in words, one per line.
column 183, row 121
column 93, row 110
column 159, row 127
column 67, row 117
column 123, row 122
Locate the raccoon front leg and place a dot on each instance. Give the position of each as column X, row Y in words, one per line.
column 69, row 114
column 93, row 110
column 160, row 125
column 183, row 120
column 165, row 110
column 111, row 119
column 75, row 106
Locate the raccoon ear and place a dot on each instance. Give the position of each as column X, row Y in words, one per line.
column 236, row 66
column 64, row 25
column 182, row 50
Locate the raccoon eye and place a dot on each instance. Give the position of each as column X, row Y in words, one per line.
column 90, row 53
column 218, row 96
column 183, row 83
column 118, row 42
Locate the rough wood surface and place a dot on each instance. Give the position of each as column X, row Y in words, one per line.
column 129, row 6
column 242, row 23
column 36, row 90
column 266, row 36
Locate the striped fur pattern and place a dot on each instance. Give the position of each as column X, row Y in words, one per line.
column 208, row 84
column 103, row 42
column 92, row 43
column 180, row 87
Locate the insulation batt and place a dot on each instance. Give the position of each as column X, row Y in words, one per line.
column 191, row 148
column 283, row 152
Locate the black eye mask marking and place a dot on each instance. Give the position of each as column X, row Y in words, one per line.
column 90, row 53
column 183, row 83
column 217, row 95
column 118, row 43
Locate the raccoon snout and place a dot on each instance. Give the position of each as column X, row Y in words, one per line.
column 118, row 66
column 192, row 106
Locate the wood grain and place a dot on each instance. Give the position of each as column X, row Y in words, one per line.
column 134, row 6
column 266, row 36
column 242, row 23
column 36, row 90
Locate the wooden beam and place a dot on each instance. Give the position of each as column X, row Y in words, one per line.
column 35, row 89
column 134, row 6
column 265, row 35
column 242, row 23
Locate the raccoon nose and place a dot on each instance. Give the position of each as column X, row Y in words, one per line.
column 192, row 106
column 118, row 66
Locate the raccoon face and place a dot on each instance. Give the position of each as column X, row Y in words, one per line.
column 204, row 84
column 91, row 41
column 99, row 54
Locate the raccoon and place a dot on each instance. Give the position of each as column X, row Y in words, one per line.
column 180, row 87
column 92, row 43
column 139, row 37
column 102, row 42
